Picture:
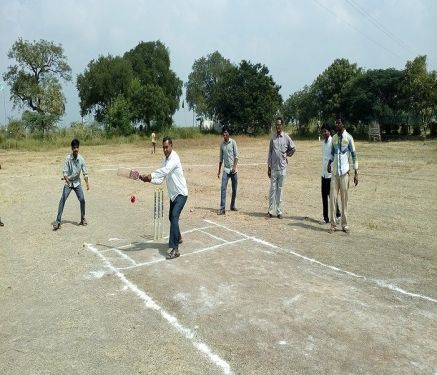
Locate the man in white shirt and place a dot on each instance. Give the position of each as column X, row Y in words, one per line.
column 172, row 172
column 326, row 176
column 343, row 147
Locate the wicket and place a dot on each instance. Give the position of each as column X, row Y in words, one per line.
column 158, row 213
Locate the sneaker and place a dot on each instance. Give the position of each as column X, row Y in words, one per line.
column 332, row 230
column 338, row 220
column 56, row 226
column 174, row 253
column 323, row 221
column 83, row 222
column 221, row 212
column 234, row 209
column 180, row 240
column 269, row 215
column 346, row 230
column 1, row 224
column 280, row 216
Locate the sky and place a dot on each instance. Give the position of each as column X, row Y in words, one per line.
column 296, row 39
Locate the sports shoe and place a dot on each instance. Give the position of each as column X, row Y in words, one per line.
column 269, row 215
column 322, row 221
column 83, row 222
column 338, row 220
column 221, row 212
column 346, row 230
column 279, row 216
column 56, row 226
column 1, row 224
column 234, row 209
column 332, row 230
column 174, row 253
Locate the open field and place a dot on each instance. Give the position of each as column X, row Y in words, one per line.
column 249, row 295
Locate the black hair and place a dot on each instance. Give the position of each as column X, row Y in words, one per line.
column 167, row 138
column 225, row 128
column 280, row 119
column 326, row 126
column 75, row 143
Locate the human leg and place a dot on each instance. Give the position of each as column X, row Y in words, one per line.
column 175, row 211
column 279, row 194
column 65, row 193
column 79, row 194
column 234, row 181
column 325, row 188
column 272, row 194
column 333, row 193
column 344, row 188
column 223, row 189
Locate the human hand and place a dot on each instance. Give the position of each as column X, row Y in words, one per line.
column 356, row 178
column 269, row 172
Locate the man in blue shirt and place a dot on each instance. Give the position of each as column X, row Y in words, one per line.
column 74, row 164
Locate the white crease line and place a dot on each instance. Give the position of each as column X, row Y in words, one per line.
column 380, row 283
column 185, row 166
column 184, row 255
column 215, row 237
column 149, row 303
column 125, row 256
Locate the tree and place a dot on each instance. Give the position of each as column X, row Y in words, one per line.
column 248, row 98
column 202, row 82
column 420, row 90
column 300, row 108
column 150, row 63
column 328, row 88
column 34, row 80
column 375, row 95
column 103, row 81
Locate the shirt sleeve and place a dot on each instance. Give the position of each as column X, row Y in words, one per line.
column 84, row 168
column 291, row 149
column 269, row 156
column 65, row 169
column 353, row 153
column 221, row 153
column 235, row 150
column 160, row 174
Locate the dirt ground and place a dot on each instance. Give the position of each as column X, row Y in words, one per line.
column 249, row 295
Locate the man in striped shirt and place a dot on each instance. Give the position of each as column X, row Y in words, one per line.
column 343, row 147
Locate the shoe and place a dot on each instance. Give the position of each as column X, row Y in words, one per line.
column 280, row 216
column 332, row 230
column 269, row 215
column 180, row 240
column 346, row 230
column 1, row 224
column 56, row 226
column 323, row 221
column 221, row 212
column 338, row 220
column 234, row 209
column 83, row 222
column 174, row 253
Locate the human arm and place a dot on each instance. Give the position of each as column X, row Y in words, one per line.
column 269, row 159
column 353, row 153
column 235, row 150
column 219, row 169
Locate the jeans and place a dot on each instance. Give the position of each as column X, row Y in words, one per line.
column 65, row 193
column 175, row 211
column 234, row 181
column 326, row 188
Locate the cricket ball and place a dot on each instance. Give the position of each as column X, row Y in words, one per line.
column 132, row 198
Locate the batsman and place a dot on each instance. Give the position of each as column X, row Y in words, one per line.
column 172, row 172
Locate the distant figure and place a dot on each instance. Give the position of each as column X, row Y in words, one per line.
column 73, row 165
column 343, row 146
column 153, row 142
column 326, row 176
column 280, row 147
column 172, row 172
column 229, row 159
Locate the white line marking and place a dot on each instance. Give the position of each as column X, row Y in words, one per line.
column 149, row 303
column 184, row 255
column 185, row 166
column 380, row 283
column 125, row 256
column 116, row 239
column 215, row 237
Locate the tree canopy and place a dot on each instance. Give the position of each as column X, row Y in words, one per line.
column 140, row 83
column 35, row 81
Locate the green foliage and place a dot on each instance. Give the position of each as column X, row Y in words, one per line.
column 16, row 129
column 202, row 82
column 248, row 99
column 138, row 88
column 34, row 82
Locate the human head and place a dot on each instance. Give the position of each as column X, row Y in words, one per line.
column 339, row 123
column 225, row 132
column 75, row 147
column 325, row 131
column 279, row 125
column 167, row 146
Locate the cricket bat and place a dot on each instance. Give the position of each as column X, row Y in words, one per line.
column 129, row 173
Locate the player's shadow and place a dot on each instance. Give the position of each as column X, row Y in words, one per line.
column 306, row 223
column 209, row 209
column 75, row 223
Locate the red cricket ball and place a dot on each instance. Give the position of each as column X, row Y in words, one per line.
column 132, row 198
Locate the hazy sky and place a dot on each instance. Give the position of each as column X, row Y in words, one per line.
column 295, row 39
